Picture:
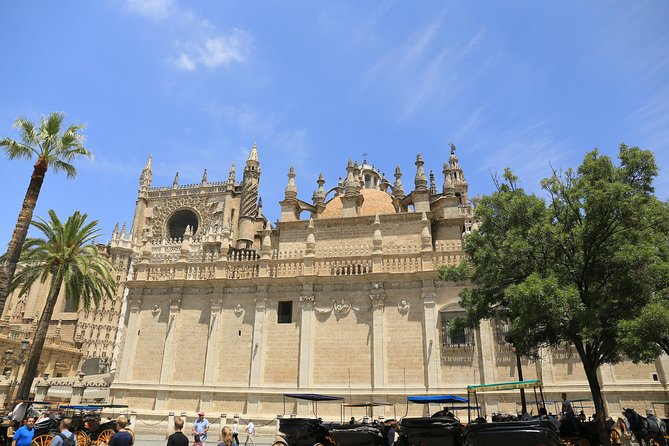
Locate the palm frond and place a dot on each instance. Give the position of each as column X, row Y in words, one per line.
column 27, row 130
column 60, row 166
column 16, row 150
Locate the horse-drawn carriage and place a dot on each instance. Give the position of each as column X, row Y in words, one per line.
column 87, row 425
column 443, row 428
column 312, row 431
column 537, row 431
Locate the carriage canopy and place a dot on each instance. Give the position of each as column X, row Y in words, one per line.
column 510, row 385
column 437, row 399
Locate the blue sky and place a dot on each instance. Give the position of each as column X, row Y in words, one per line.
column 517, row 84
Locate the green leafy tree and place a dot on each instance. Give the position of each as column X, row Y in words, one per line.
column 646, row 337
column 570, row 268
column 52, row 147
column 67, row 259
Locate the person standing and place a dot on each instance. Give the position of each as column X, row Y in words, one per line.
column 200, row 429
column 65, row 437
column 250, row 433
column 24, row 435
column 228, row 439
column 122, row 437
column 235, row 431
column 566, row 405
column 178, row 438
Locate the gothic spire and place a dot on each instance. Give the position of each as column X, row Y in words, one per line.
column 291, row 189
column 420, row 181
column 232, row 175
column 398, row 188
column 175, row 183
column 146, row 175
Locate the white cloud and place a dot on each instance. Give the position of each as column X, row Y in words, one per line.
column 223, row 50
column 184, row 62
column 200, row 44
column 157, row 10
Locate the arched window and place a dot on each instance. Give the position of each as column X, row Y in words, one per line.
column 463, row 337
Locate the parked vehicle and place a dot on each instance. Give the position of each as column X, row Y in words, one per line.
column 533, row 432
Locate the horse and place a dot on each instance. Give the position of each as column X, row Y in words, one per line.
column 620, row 434
column 645, row 430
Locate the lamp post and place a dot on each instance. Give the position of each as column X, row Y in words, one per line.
column 16, row 361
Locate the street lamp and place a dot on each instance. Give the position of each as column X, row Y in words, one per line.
column 18, row 361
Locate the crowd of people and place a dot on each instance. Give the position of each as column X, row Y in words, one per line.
column 200, row 431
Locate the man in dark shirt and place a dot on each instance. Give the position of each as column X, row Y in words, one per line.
column 178, row 438
column 122, row 437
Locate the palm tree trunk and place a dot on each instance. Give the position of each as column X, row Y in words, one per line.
column 21, row 229
column 38, row 343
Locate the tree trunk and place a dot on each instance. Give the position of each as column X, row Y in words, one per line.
column 590, row 368
column 21, row 229
column 38, row 343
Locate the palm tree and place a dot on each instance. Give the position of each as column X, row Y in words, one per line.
column 52, row 148
column 67, row 258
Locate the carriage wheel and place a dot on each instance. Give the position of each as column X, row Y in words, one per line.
column 103, row 438
column 82, row 438
column 615, row 438
column 42, row 440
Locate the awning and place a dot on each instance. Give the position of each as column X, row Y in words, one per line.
column 437, row 399
column 511, row 385
column 313, row 397
column 96, row 393
column 367, row 404
column 59, row 393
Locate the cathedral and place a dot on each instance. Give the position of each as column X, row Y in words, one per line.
column 227, row 313
column 223, row 312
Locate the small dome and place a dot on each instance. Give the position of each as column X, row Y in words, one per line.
column 376, row 202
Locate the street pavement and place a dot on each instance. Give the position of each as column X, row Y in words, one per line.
column 159, row 440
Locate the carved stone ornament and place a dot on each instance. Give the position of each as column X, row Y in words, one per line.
column 403, row 307
column 428, row 298
column 377, row 297
column 134, row 302
column 307, row 300
column 155, row 310
column 198, row 204
column 341, row 306
column 216, row 303
column 175, row 306
column 239, row 310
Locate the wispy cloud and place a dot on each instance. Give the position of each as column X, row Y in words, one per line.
column 200, row 44
column 157, row 10
column 425, row 67
column 289, row 144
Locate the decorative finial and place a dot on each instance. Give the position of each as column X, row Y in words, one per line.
column 291, row 188
column 420, row 181
column 146, row 176
column 231, row 175
column 204, row 177
column 452, row 148
column 433, row 186
column 253, row 156
column 175, row 183
column 398, row 188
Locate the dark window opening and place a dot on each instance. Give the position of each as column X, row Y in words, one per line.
column 285, row 312
column 178, row 222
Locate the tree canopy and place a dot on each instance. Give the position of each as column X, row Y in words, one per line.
column 569, row 268
column 52, row 146
column 66, row 258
